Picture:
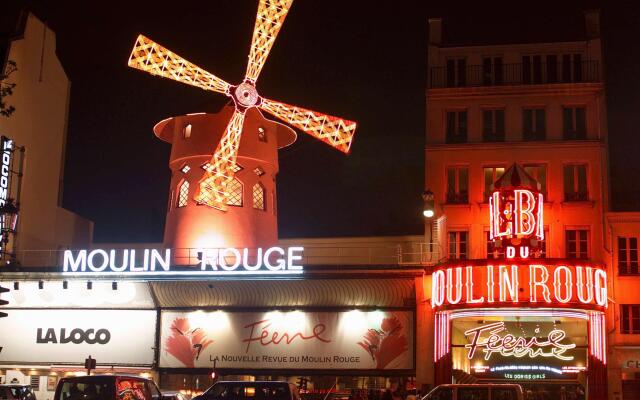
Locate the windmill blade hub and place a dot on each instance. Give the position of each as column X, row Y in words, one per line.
column 246, row 95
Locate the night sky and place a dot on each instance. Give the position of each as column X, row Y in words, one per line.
column 361, row 60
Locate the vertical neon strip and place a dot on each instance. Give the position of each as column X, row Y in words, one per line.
column 491, row 218
column 540, row 222
column 603, row 335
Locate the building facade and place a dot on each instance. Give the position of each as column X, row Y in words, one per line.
column 542, row 107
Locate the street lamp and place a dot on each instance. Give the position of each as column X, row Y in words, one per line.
column 8, row 222
column 429, row 204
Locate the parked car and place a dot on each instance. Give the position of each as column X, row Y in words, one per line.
column 488, row 391
column 14, row 391
column 242, row 390
column 107, row 387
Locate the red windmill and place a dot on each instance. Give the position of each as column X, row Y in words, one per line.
column 213, row 187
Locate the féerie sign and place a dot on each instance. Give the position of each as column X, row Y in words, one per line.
column 151, row 262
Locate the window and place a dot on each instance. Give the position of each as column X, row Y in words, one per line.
column 539, row 173
column 207, row 167
column 441, row 393
column 458, row 245
column 577, row 243
column 457, row 185
column 34, row 382
column 493, row 125
column 183, row 194
column 186, row 131
column 259, row 197
column 534, row 124
column 473, row 393
column 503, row 393
column 258, row 171
column 491, row 174
column 574, row 123
column 531, row 69
column 456, row 126
column 95, row 388
column 456, row 72
column 572, row 68
column 627, row 255
column 262, row 135
column 493, row 252
column 575, row 183
column 552, row 68
column 185, row 168
column 130, row 389
column 630, row 318
column 236, row 168
column 235, row 193
column 492, row 71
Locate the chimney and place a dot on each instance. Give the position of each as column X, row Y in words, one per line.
column 435, row 31
column 592, row 23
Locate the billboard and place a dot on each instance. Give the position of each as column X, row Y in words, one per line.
column 366, row 340
column 114, row 337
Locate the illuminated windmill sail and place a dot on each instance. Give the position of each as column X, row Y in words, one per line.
column 151, row 57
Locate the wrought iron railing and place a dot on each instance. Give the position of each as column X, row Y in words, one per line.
column 514, row 74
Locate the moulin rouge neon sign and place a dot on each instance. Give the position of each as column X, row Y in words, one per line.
column 516, row 214
column 517, row 284
column 512, row 346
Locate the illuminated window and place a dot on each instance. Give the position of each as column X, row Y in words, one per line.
column 493, row 125
column 491, row 174
column 493, row 252
column 185, row 169
column 457, row 185
column 258, row 171
column 458, row 244
column 237, row 168
column 539, row 173
column 262, row 134
column 627, row 255
column 183, row 194
column 206, row 166
column 456, row 126
column 575, row 183
column 34, row 382
column 186, row 131
column 258, row 197
column 235, row 193
column 630, row 318
column 577, row 243
column 534, row 124
column 574, row 123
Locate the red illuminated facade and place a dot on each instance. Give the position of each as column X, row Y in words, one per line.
column 516, row 158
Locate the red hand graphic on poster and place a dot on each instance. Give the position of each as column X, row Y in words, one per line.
column 185, row 343
column 387, row 343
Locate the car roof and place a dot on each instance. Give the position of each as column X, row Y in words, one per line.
column 103, row 376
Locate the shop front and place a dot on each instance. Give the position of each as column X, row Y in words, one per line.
column 539, row 325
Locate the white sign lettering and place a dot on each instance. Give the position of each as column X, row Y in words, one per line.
column 226, row 261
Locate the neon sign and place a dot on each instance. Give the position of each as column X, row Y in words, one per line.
column 516, row 284
column 516, row 221
column 512, row 346
column 6, row 146
column 226, row 261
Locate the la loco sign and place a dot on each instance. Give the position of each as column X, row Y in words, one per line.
column 514, row 284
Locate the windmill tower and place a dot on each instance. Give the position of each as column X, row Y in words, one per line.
column 228, row 199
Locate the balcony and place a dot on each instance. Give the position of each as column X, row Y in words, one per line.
column 513, row 74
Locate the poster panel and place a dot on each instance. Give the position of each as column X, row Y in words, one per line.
column 355, row 339
column 115, row 337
